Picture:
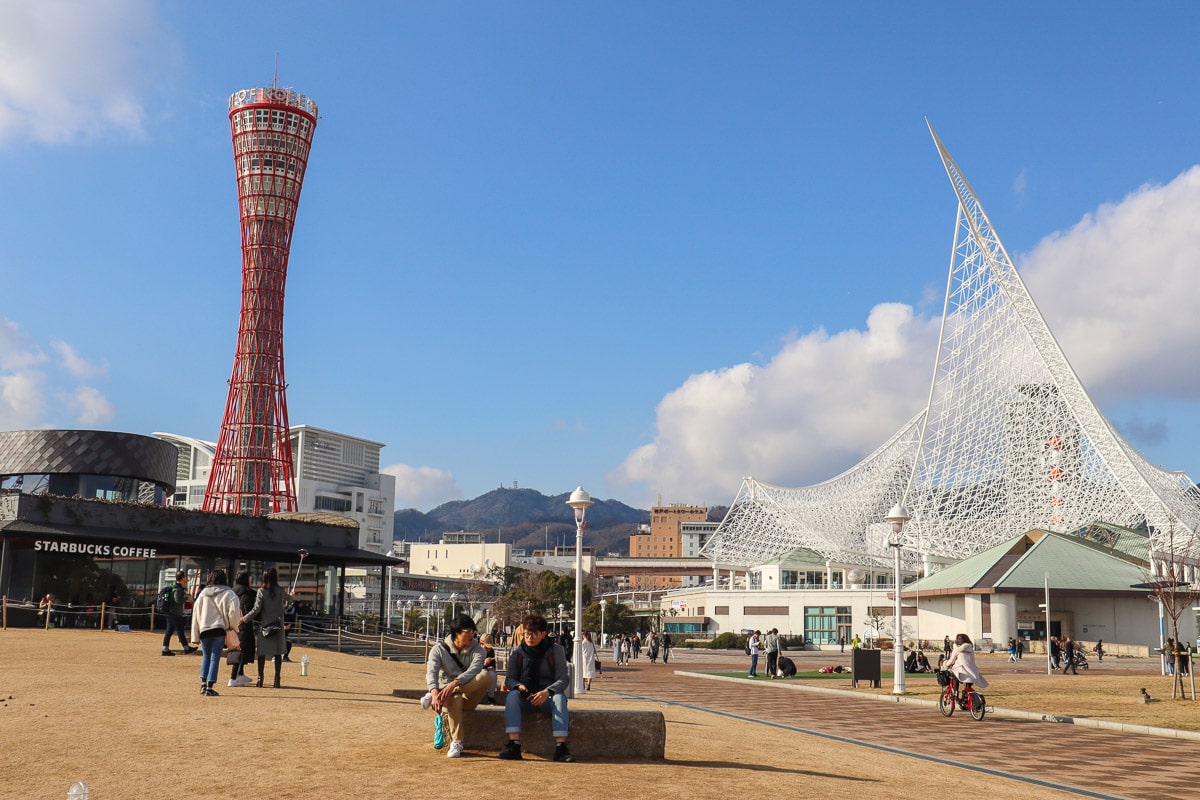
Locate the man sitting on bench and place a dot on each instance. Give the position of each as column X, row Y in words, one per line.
column 536, row 682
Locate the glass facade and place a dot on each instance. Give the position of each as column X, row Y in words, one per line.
column 822, row 623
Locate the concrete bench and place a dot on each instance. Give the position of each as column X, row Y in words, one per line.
column 596, row 734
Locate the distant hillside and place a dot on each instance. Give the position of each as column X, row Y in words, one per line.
column 526, row 518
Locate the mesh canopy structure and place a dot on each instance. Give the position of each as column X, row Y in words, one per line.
column 1009, row 441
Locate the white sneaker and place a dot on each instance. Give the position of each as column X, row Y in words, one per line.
column 244, row 680
column 455, row 750
column 427, row 700
column 235, row 682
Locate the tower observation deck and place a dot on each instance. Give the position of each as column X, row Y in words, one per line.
column 252, row 466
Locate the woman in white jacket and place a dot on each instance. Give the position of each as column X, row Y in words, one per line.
column 962, row 663
column 215, row 611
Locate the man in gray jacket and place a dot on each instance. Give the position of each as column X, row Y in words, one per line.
column 456, row 679
column 772, row 647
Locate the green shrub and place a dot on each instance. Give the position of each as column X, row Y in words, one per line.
column 727, row 641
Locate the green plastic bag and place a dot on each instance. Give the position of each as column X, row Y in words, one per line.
column 439, row 733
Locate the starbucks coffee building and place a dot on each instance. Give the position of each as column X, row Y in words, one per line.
column 82, row 518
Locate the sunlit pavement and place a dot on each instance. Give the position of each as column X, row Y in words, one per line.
column 1095, row 763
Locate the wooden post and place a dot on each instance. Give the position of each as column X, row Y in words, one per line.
column 4, row 611
column 102, row 626
column 381, row 647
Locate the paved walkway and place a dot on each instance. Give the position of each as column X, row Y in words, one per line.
column 1087, row 762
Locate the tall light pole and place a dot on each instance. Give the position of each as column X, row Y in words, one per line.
column 580, row 501
column 453, row 604
column 603, row 603
column 424, row 600
column 897, row 516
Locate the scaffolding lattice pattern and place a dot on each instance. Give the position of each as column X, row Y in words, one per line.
column 1010, row 441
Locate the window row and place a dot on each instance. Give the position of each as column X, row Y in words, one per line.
column 270, row 143
column 278, row 187
column 276, row 164
column 274, row 118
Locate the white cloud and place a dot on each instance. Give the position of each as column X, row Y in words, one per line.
column 817, row 406
column 423, row 488
column 90, row 406
column 73, row 69
column 76, row 364
column 1120, row 291
column 22, row 401
column 28, row 379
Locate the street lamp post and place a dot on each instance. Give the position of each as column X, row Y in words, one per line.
column 424, row 600
column 453, row 604
column 559, row 622
column 897, row 516
column 603, row 603
column 580, row 501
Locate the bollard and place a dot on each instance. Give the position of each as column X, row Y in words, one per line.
column 304, row 665
column 78, row 791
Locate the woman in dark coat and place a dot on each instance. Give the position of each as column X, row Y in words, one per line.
column 267, row 613
column 241, row 587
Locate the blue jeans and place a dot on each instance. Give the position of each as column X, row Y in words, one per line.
column 175, row 625
column 210, row 657
column 753, row 664
column 556, row 707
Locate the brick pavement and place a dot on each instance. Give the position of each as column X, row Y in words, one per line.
column 1084, row 761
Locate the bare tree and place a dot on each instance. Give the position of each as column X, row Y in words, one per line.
column 1173, row 585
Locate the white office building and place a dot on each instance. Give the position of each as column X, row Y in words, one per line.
column 335, row 474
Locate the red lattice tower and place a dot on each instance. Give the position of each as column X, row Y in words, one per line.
column 252, row 468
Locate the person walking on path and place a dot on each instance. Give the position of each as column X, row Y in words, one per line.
column 245, row 595
column 1055, row 652
column 215, row 611
column 842, row 643
column 771, row 645
column 267, row 613
column 666, row 647
column 174, row 612
column 1012, row 649
column 754, row 644
column 456, row 679
column 536, row 683
column 588, row 654
column 946, row 646
column 1020, row 648
column 1100, row 650
column 1068, row 647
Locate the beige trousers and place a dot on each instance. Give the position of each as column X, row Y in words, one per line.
column 464, row 699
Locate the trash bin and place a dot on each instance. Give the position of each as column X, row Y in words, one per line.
column 865, row 666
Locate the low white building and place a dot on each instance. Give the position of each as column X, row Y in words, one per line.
column 994, row 595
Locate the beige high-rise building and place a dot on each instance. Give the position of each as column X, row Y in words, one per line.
column 662, row 539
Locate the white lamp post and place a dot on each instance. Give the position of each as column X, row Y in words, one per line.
column 603, row 603
column 453, row 604
column 580, row 501
column 898, row 516
column 423, row 599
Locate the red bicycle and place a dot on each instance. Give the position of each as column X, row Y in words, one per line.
column 974, row 701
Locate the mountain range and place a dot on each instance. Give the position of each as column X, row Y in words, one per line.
column 529, row 519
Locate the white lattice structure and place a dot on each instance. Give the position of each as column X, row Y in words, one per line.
column 1009, row 441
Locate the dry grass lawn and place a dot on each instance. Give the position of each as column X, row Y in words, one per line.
column 105, row 708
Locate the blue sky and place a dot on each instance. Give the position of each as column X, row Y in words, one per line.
column 578, row 243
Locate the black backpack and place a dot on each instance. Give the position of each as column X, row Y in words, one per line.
column 164, row 599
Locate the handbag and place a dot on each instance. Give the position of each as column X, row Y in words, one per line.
column 232, row 641
column 269, row 629
column 233, row 657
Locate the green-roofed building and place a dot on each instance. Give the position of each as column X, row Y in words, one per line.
column 998, row 593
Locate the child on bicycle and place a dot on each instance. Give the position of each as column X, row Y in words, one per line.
column 961, row 664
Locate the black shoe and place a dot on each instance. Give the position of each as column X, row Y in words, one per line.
column 167, row 653
column 277, row 683
column 210, row 692
column 561, row 753
column 512, row 751
column 187, row 651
